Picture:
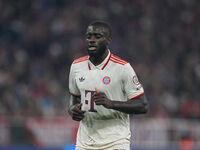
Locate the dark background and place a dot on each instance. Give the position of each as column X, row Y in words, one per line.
column 39, row 39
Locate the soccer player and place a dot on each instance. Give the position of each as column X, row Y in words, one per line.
column 104, row 91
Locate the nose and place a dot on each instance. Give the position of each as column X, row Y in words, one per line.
column 91, row 39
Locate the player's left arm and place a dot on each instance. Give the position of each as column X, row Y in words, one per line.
column 138, row 105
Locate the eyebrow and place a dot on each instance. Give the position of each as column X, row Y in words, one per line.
column 87, row 33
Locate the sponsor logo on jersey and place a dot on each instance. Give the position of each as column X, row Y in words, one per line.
column 81, row 79
column 106, row 80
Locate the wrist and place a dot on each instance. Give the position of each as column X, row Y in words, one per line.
column 111, row 106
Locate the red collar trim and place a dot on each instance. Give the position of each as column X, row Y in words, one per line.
column 89, row 66
column 106, row 62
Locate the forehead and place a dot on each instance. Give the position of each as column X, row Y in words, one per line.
column 96, row 29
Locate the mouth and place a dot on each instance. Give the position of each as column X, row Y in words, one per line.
column 92, row 48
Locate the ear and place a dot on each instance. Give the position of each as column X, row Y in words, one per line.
column 109, row 39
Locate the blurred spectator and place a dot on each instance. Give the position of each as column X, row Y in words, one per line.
column 187, row 143
column 190, row 107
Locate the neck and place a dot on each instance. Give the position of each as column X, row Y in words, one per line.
column 96, row 60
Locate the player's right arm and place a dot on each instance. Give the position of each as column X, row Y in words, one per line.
column 74, row 104
column 75, row 108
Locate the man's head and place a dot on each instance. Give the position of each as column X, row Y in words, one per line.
column 98, row 38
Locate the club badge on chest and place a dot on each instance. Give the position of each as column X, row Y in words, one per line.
column 106, row 80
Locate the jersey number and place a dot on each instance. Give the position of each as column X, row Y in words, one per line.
column 91, row 100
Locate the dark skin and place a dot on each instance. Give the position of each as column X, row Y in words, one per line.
column 98, row 40
column 97, row 37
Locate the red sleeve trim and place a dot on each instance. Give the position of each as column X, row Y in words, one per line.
column 136, row 96
column 74, row 94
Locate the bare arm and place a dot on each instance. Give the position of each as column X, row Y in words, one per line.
column 75, row 108
column 138, row 105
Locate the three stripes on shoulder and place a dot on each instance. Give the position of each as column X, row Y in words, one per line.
column 112, row 58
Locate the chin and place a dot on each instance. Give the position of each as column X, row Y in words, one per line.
column 92, row 53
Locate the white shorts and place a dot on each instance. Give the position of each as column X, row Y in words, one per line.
column 125, row 146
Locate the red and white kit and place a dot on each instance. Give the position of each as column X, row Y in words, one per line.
column 103, row 128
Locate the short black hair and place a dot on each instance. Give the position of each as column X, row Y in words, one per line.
column 103, row 24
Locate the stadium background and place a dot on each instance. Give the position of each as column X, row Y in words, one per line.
column 39, row 40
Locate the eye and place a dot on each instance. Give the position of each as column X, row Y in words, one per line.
column 98, row 36
column 88, row 36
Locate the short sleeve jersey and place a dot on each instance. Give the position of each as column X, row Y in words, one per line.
column 102, row 127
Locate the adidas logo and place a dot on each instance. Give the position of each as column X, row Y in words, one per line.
column 81, row 79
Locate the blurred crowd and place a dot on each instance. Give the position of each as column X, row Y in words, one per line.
column 39, row 40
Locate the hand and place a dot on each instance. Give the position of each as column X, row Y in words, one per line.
column 76, row 113
column 100, row 98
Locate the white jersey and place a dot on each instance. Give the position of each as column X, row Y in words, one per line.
column 102, row 128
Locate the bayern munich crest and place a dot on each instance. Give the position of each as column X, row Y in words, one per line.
column 106, row 80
